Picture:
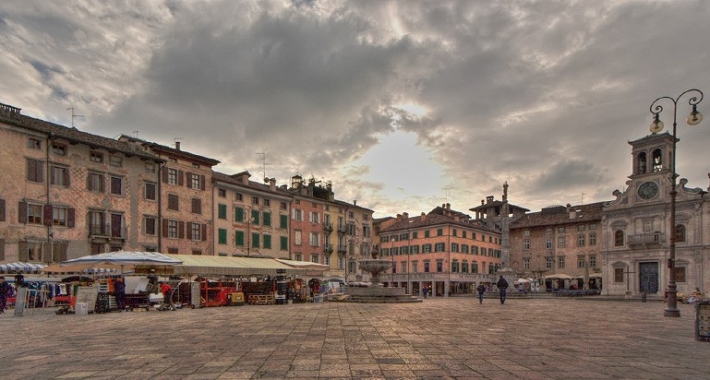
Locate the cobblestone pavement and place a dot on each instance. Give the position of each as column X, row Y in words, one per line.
column 453, row 338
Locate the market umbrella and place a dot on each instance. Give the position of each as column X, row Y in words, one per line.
column 560, row 276
column 83, row 268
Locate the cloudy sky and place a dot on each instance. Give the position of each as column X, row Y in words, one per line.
column 403, row 105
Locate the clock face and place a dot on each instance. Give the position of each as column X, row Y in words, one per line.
column 648, row 190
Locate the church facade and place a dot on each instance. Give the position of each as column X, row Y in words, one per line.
column 636, row 227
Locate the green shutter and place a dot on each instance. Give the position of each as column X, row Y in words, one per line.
column 240, row 238
column 284, row 243
column 255, row 216
column 255, row 240
column 267, row 239
column 239, row 214
column 222, row 211
column 222, row 236
column 284, row 221
column 267, row 220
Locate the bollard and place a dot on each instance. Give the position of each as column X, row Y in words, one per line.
column 643, row 297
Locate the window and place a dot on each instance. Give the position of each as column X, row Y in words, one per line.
column 484, row 252
column 283, row 206
column 618, row 238
column 474, row 267
column 549, row 262
column 426, row 248
column 592, row 238
column 439, row 266
column 455, row 232
column 150, row 223
column 297, row 238
column 173, row 202
column 474, row 249
column 97, row 225
column 255, row 237
column 150, row 167
column 239, row 238
column 96, row 182
column 116, row 161
column 464, row 248
column 221, row 211
column 593, row 261
column 59, row 216
column 526, row 263
column 526, row 233
column 116, row 185
column 619, row 275
column 526, row 245
column 426, row 234
column 96, row 157
column 561, row 243
column 403, row 267
column 255, row 200
column 267, row 203
column 315, row 259
column 297, row 215
column 581, row 227
column 284, row 243
column 196, row 230
column 454, row 247
column 222, row 193
column 439, row 231
column 548, row 243
column 239, row 214
column 196, row 206
column 267, row 241
column 679, row 274
column 657, row 160
column 34, row 214
column 173, row 229
column 150, row 191
column 581, row 262
column 561, row 262
column 581, row 240
column 222, row 236
column 267, row 220
column 34, row 143
column 314, row 239
column 283, row 222
column 439, row 247
column 35, row 170
column 680, row 233
column 172, row 176
column 60, row 176
column 255, row 217
column 196, row 181
column 416, row 235
column 59, row 149
column 314, row 217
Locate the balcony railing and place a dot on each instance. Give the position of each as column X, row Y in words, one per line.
column 653, row 239
column 105, row 230
column 327, row 226
column 327, row 247
column 342, row 228
column 342, row 249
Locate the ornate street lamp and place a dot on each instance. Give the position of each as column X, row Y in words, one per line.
column 694, row 118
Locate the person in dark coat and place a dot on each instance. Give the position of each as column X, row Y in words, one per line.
column 425, row 290
column 481, row 289
column 119, row 291
column 502, row 288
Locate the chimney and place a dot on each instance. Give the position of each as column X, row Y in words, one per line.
column 354, row 202
column 272, row 184
column 405, row 215
column 489, row 199
column 399, row 217
column 423, row 216
column 448, row 206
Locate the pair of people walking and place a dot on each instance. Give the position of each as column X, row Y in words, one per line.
column 502, row 290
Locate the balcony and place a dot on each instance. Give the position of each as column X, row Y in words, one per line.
column 328, row 248
column 648, row 240
column 328, row 227
column 342, row 248
column 100, row 230
column 342, row 229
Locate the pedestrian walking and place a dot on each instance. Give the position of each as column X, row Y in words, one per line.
column 425, row 290
column 502, row 289
column 119, row 291
column 481, row 289
column 4, row 290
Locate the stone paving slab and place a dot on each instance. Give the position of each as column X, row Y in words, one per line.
column 440, row 338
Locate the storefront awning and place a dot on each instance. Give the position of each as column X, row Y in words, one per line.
column 21, row 267
column 244, row 266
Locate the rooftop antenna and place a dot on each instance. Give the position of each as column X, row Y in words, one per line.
column 582, row 198
column 135, row 134
column 447, row 192
column 73, row 116
column 264, row 163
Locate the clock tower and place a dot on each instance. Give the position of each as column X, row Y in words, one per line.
column 651, row 170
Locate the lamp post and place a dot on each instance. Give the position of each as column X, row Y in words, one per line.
column 409, row 247
column 694, row 118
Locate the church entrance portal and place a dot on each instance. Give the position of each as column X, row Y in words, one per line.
column 648, row 279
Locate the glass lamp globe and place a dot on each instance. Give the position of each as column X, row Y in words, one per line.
column 656, row 126
column 695, row 117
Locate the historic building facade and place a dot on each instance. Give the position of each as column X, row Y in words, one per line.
column 559, row 246
column 444, row 250
column 636, row 227
column 250, row 218
column 66, row 193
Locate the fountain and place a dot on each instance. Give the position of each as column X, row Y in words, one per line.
column 377, row 293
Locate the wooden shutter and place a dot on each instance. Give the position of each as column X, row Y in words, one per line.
column 188, row 180
column 165, row 228
column 71, row 217
column 189, row 230
column 204, row 232
column 48, row 215
column 202, row 182
column 181, row 230
column 22, row 212
column 2, row 210
column 23, row 254
column 180, row 174
column 165, row 174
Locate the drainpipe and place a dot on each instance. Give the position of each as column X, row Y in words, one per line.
column 50, row 136
column 160, row 207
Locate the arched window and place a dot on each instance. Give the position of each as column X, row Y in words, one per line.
column 657, row 160
column 679, row 233
column 619, row 238
column 642, row 163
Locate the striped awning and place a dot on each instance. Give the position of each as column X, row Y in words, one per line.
column 21, row 266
